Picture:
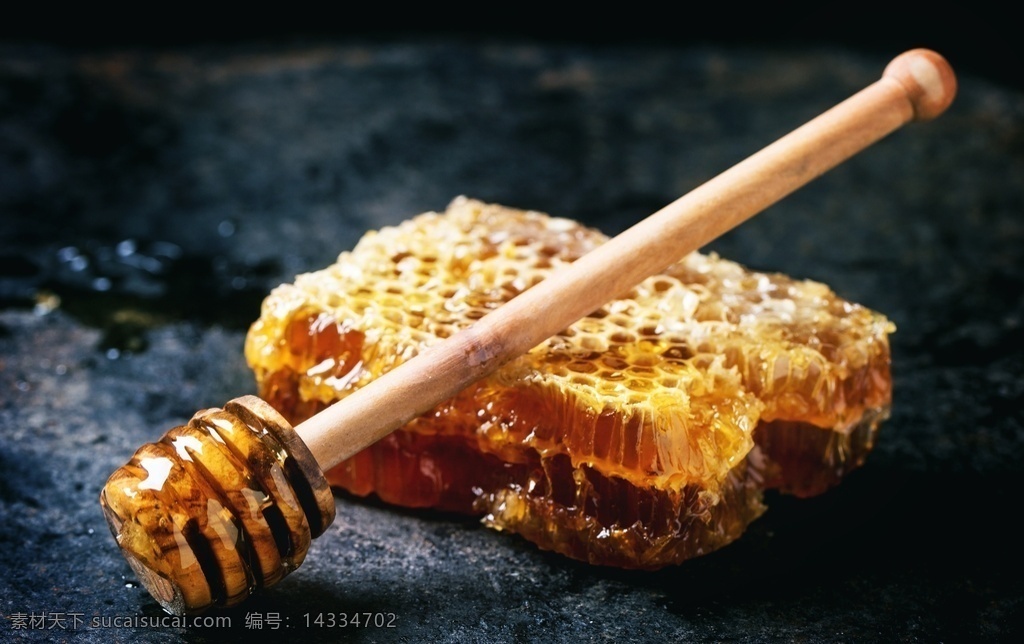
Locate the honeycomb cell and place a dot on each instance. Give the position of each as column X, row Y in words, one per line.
column 640, row 436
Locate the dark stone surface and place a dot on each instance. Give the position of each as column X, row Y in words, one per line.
column 149, row 198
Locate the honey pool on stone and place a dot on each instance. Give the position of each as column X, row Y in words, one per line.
column 640, row 436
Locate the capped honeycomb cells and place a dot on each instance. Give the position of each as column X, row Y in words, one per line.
column 218, row 508
column 640, row 436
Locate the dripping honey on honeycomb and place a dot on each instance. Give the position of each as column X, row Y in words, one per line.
column 640, row 436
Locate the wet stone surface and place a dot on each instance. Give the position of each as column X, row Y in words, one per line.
column 150, row 199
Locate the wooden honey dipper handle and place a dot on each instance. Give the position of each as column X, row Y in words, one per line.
column 917, row 85
column 228, row 503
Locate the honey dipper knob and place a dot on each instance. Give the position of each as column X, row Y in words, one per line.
column 927, row 79
column 218, row 508
column 228, row 503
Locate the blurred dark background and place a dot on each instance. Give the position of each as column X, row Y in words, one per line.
column 976, row 37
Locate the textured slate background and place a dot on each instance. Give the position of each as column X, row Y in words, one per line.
column 151, row 196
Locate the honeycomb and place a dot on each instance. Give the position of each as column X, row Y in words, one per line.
column 640, row 436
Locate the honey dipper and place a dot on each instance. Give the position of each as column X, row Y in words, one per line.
column 228, row 504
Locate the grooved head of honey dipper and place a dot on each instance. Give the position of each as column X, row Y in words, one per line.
column 218, row 508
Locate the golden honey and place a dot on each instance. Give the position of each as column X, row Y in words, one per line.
column 218, row 508
column 640, row 436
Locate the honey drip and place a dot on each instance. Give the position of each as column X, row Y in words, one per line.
column 218, row 508
column 640, row 436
